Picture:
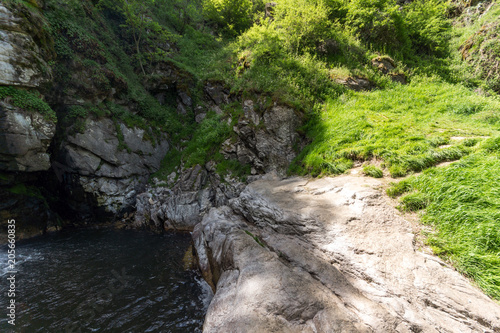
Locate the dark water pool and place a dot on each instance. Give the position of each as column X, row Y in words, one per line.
column 104, row 281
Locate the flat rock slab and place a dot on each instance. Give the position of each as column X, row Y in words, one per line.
column 329, row 255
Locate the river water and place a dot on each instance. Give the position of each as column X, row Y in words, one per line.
column 104, row 281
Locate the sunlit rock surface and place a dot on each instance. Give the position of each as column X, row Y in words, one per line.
column 328, row 255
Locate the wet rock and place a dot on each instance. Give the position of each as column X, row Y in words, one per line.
column 24, row 139
column 328, row 255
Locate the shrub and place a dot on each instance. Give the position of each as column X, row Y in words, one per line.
column 427, row 26
column 232, row 15
column 301, row 23
column 378, row 23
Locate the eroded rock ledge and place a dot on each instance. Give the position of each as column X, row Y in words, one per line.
column 328, row 255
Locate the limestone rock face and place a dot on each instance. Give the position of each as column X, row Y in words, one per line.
column 328, row 255
column 20, row 61
column 24, row 139
column 109, row 171
column 266, row 141
column 183, row 203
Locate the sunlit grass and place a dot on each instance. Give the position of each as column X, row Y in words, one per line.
column 409, row 128
column 462, row 202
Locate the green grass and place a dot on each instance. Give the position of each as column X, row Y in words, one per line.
column 462, row 203
column 373, row 171
column 27, row 101
column 410, row 128
column 203, row 146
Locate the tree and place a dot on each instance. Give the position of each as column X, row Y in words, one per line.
column 301, row 23
column 139, row 23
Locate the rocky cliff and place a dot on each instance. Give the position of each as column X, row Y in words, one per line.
column 101, row 133
column 89, row 165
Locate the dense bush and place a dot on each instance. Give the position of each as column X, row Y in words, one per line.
column 418, row 27
column 301, row 23
column 378, row 23
column 427, row 26
column 233, row 16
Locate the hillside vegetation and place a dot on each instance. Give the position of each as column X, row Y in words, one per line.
column 400, row 86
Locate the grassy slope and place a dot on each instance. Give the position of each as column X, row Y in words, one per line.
column 404, row 126
column 412, row 128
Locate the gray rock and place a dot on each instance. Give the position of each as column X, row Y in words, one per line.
column 185, row 99
column 384, row 64
column 328, row 255
column 183, row 205
column 356, row 83
column 24, row 139
column 105, row 170
column 217, row 93
column 265, row 142
column 20, row 61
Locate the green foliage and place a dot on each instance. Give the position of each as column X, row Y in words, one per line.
column 169, row 164
column 476, row 40
column 206, row 140
column 427, row 26
column 462, row 203
column 301, row 23
column 379, row 23
column 27, row 101
column 403, row 126
column 373, row 171
column 233, row 16
column 77, row 116
column 419, row 27
column 145, row 31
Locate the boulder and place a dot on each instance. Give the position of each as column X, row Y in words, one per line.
column 384, row 64
column 356, row 83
